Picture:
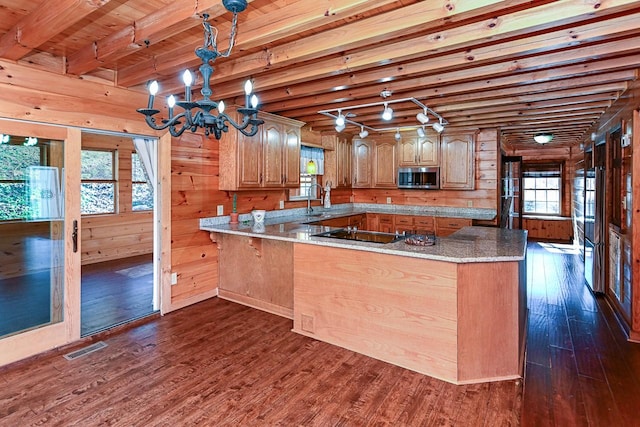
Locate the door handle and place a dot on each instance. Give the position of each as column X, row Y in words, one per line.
column 74, row 235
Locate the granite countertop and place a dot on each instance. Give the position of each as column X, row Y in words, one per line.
column 470, row 244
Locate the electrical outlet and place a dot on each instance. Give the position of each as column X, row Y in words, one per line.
column 469, row 203
column 220, row 210
column 174, row 278
column 281, row 204
column 388, row 200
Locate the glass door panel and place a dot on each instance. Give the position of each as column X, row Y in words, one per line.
column 31, row 233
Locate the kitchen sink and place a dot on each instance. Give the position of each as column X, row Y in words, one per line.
column 361, row 236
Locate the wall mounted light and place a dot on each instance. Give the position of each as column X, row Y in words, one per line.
column 543, row 138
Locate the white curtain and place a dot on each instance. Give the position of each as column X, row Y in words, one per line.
column 310, row 153
column 147, row 149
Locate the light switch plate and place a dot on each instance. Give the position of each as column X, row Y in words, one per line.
column 220, row 210
column 281, row 204
column 469, row 203
column 174, row 278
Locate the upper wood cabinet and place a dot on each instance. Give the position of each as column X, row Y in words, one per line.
column 362, row 163
column 457, row 169
column 416, row 151
column 385, row 172
column 337, row 160
column 270, row 159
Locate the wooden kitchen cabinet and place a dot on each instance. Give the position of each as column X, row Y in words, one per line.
column 386, row 223
column 416, row 151
column 337, row 160
column 446, row 226
column 385, row 172
column 362, row 163
column 457, row 168
column 269, row 159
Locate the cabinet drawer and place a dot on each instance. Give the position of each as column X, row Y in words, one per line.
column 452, row 222
column 404, row 220
column 385, row 219
column 424, row 221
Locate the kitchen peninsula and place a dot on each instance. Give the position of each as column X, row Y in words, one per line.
column 455, row 310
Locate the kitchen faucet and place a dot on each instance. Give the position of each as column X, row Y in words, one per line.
column 309, row 208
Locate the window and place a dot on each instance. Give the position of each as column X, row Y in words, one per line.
column 306, row 181
column 15, row 159
column 542, row 188
column 141, row 189
column 98, row 187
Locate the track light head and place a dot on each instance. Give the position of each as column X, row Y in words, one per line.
column 387, row 113
column 397, row 136
column 363, row 132
column 420, row 132
column 422, row 117
column 438, row 127
column 340, row 120
column 340, row 128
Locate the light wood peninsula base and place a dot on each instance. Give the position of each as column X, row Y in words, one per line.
column 459, row 322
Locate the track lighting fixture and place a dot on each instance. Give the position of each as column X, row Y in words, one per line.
column 387, row 113
column 422, row 117
column 344, row 115
column 397, row 136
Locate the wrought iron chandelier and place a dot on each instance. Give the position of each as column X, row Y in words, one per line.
column 198, row 114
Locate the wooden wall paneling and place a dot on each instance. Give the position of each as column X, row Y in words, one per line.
column 488, row 301
column 415, row 329
column 635, row 228
column 549, row 229
column 257, row 272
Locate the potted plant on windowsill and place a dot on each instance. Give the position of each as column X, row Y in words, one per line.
column 234, row 211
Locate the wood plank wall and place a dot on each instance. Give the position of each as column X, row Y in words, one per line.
column 485, row 194
column 125, row 233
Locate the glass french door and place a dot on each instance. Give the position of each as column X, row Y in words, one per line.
column 38, row 235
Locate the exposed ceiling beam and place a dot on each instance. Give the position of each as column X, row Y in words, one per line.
column 44, row 23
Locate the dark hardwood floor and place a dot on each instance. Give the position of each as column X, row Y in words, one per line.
column 112, row 293
column 115, row 292
column 222, row 364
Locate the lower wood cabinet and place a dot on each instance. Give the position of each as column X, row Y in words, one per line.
column 446, row 226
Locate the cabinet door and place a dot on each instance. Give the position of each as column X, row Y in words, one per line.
column 272, row 144
column 446, row 226
column 344, row 150
column 457, row 169
column 249, row 161
column 362, row 153
column 428, row 149
column 408, row 151
column 386, row 223
column 291, row 157
column 384, row 167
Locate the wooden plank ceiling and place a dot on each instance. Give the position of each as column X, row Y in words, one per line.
column 523, row 66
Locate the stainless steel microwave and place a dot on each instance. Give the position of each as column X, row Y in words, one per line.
column 419, row 177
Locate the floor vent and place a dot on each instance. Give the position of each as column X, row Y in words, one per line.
column 84, row 351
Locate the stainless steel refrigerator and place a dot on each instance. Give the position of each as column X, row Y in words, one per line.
column 594, row 228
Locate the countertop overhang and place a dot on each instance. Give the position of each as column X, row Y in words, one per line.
column 468, row 245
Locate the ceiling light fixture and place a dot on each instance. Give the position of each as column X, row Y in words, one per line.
column 340, row 121
column 387, row 113
column 363, row 132
column 422, row 117
column 198, row 114
column 543, row 138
